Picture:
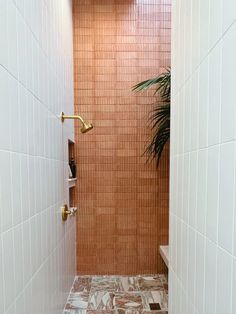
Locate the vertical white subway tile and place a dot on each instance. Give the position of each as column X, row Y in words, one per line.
column 34, row 244
column 16, row 191
column 226, row 196
column 28, row 298
column 32, row 186
column 188, row 39
column 23, row 115
column 195, row 30
column 201, row 191
column 194, row 111
column 224, row 281
column 12, row 38
column 1, row 278
column 15, row 126
column 8, row 268
column 174, row 243
column 31, row 122
column 191, row 265
column 5, row 192
column 184, row 260
column 210, row 277
column 216, row 18
column 173, row 180
column 20, row 6
column 20, row 304
column 234, row 287
column 186, row 181
column 187, row 114
column 180, row 189
column 212, row 192
column 229, row 15
column 35, row 57
column 11, row 309
column 203, row 103
column 5, row 138
column 25, row 186
column 204, row 27
column 200, row 273
column 18, row 258
column 21, row 52
column 215, row 73
column 27, row 254
column 3, row 37
column 193, row 172
column 228, row 109
column 181, row 122
column 180, row 248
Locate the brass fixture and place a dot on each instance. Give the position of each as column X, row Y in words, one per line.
column 65, row 212
column 73, row 210
column 85, row 125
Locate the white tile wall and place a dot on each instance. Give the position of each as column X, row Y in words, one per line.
column 203, row 157
column 37, row 250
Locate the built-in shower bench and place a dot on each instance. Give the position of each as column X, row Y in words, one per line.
column 164, row 252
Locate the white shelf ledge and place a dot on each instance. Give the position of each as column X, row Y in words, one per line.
column 72, row 182
column 164, row 252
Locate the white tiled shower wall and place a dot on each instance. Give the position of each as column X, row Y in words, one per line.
column 37, row 250
column 203, row 157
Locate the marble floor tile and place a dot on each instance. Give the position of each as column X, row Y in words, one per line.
column 143, row 294
column 128, row 284
column 101, row 312
column 154, row 312
column 82, row 284
column 150, row 283
column 75, row 311
column 77, row 301
column 155, row 298
column 104, row 283
column 128, row 301
column 128, row 311
column 101, row 300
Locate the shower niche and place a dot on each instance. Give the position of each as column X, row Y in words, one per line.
column 72, row 178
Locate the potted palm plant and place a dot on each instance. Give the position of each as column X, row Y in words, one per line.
column 160, row 116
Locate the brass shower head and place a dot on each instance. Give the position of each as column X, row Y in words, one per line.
column 85, row 125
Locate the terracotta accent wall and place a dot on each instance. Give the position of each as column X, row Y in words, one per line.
column 123, row 202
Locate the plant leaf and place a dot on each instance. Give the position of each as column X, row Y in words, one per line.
column 160, row 116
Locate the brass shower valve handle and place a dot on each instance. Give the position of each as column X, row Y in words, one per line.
column 65, row 212
column 73, row 210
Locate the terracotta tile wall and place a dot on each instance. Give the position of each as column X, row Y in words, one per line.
column 123, row 202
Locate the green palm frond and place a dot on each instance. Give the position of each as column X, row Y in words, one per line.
column 162, row 81
column 160, row 116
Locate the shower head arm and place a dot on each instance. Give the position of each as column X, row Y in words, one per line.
column 64, row 117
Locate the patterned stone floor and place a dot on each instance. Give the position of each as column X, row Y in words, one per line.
column 118, row 295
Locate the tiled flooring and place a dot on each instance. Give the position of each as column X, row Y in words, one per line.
column 118, row 295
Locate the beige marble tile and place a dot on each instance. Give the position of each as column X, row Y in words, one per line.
column 77, row 301
column 82, row 284
column 101, row 300
column 128, row 300
column 128, row 284
column 150, row 283
column 155, row 297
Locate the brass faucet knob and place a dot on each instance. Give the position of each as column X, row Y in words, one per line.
column 65, row 212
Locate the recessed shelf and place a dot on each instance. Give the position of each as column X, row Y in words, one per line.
column 72, row 182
